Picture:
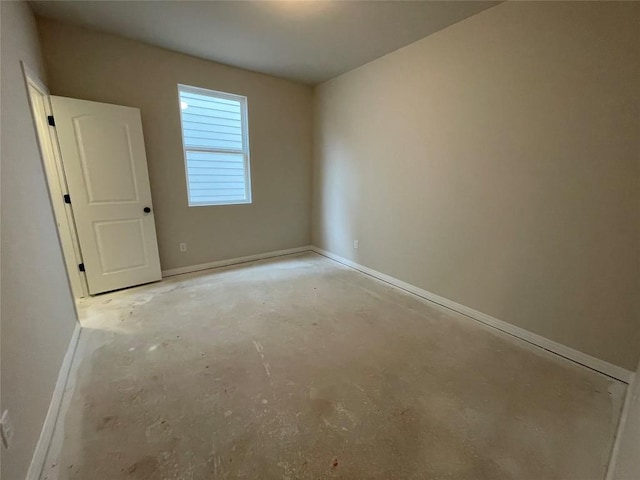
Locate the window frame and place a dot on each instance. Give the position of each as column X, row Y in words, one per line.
column 245, row 152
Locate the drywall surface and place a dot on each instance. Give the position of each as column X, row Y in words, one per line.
column 100, row 67
column 627, row 466
column 496, row 164
column 38, row 316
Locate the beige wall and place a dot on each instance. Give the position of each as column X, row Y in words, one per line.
column 38, row 316
column 496, row 163
column 96, row 66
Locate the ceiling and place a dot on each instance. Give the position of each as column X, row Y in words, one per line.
column 305, row 41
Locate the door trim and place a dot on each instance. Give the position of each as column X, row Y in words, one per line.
column 56, row 184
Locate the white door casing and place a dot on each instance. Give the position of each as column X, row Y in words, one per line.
column 57, row 184
column 105, row 164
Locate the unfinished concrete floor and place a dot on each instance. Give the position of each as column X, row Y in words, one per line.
column 300, row 368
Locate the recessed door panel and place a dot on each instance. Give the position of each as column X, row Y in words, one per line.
column 121, row 245
column 107, row 159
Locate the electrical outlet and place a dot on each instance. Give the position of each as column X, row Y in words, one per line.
column 6, row 429
column 183, row 247
column 356, row 243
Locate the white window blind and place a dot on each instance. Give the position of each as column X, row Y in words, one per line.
column 216, row 146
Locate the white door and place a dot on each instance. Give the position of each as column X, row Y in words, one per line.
column 105, row 165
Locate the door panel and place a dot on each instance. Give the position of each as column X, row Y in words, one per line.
column 112, row 236
column 106, row 155
column 106, row 168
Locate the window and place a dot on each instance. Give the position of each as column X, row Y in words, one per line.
column 216, row 146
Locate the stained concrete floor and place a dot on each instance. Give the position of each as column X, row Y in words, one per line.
column 300, row 368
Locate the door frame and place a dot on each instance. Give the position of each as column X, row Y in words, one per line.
column 56, row 182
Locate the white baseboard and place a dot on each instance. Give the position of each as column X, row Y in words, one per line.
column 233, row 261
column 589, row 361
column 40, row 453
column 632, row 390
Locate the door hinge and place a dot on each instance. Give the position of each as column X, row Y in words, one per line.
column 67, row 198
column 81, row 267
column 51, row 120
